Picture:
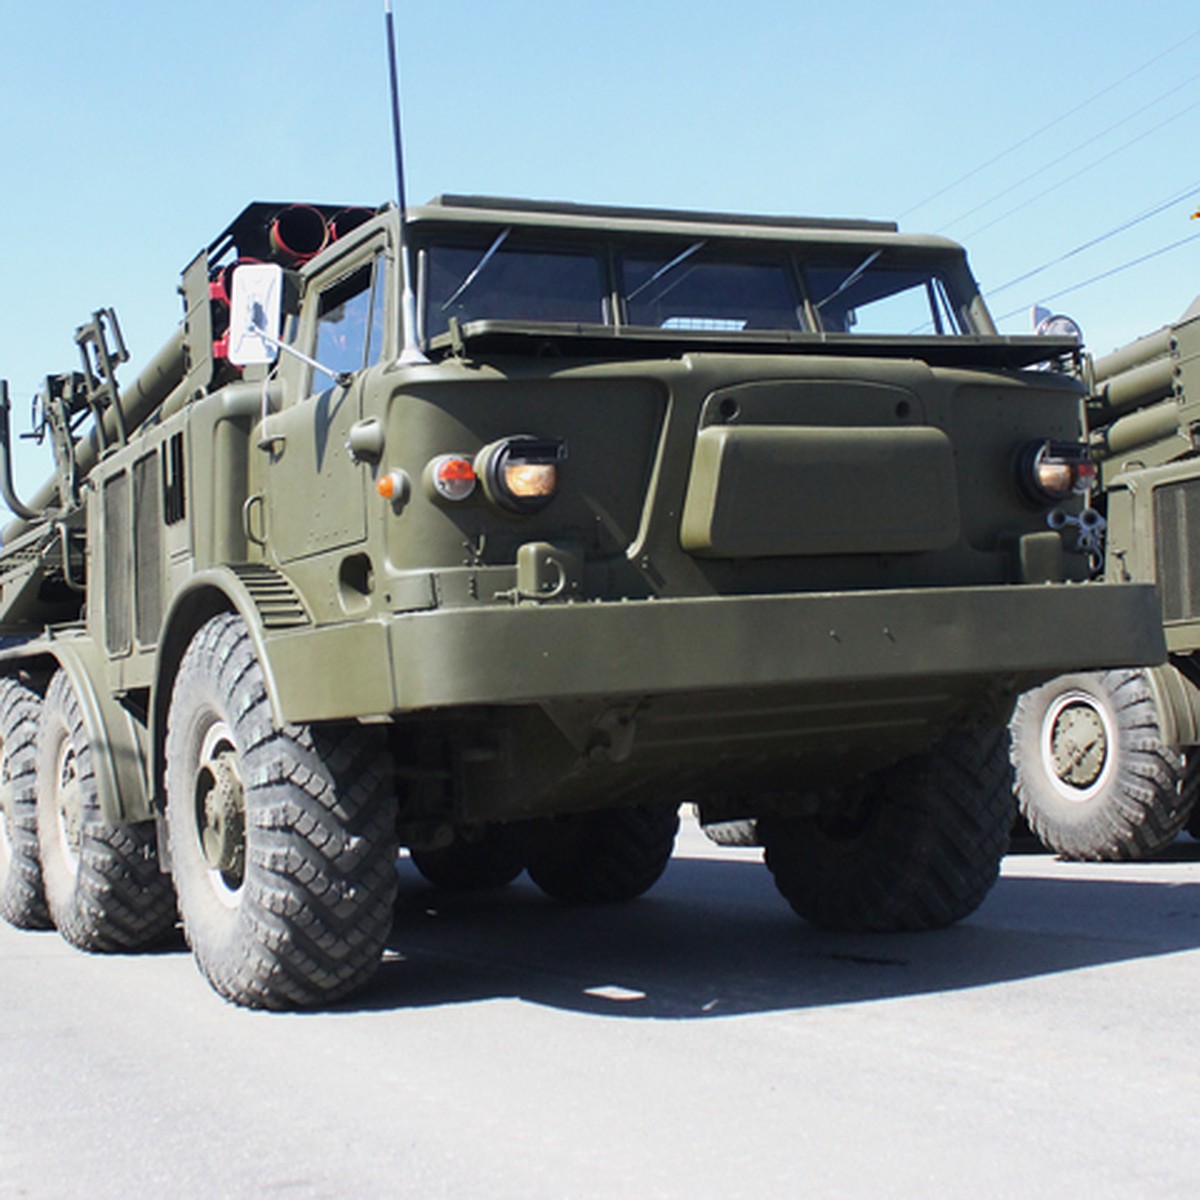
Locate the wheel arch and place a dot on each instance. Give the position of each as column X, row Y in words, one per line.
column 206, row 595
column 117, row 739
column 1178, row 701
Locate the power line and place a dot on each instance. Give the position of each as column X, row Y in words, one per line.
column 1016, row 208
column 1037, row 133
column 1077, row 149
column 1075, row 287
column 1160, row 206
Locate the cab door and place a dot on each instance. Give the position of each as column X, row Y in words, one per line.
column 315, row 496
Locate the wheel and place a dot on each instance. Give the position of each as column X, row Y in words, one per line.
column 22, row 900
column 732, row 833
column 103, row 884
column 596, row 857
column 919, row 849
column 1093, row 776
column 491, row 859
column 282, row 841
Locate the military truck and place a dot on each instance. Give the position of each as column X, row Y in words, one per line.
column 1105, row 761
column 495, row 533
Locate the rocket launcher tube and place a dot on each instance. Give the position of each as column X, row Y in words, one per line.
column 1136, row 387
column 1138, row 353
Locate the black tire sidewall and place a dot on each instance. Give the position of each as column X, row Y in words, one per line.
column 213, row 927
column 22, row 899
column 60, row 726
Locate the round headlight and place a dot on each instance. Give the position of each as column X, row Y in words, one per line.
column 1049, row 472
column 521, row 473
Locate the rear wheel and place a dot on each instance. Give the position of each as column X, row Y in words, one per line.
column 103, row 884
column 1093, row 775
column 596, row 857
column 490, row 859
column 733, row 833
column 22, row 900
column 919, row 849
column 282, row 841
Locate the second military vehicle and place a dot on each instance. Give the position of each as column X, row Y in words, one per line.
column 1106, row 762
column 497, row 532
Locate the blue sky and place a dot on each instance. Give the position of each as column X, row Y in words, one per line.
column 130, row 134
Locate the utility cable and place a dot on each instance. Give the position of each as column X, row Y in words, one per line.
column 1076, row 149
column 1037, row 133
column 1104, row 275
column 1016, row 208
column 1160, row 206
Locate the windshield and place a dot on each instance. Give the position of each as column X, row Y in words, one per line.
column 698, row 293
column 500, row 282
column 876, row 297
column 714, row 286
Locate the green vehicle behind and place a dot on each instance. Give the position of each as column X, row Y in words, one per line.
column 1106, row 762
column 499, row 532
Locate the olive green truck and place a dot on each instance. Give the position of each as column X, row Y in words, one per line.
column 1106, row 761
column 497, row 532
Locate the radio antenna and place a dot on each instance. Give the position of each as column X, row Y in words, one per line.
column 410, row 352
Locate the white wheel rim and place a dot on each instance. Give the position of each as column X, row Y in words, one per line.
column 217, row 762
column 1078, row 746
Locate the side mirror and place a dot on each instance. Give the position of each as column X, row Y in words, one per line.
column 255, row 314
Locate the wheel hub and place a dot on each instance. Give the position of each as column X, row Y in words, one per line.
column 70, row 806
column 1079, row 746
column 221, row 815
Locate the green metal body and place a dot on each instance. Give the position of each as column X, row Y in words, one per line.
column 777, row 559
column 1145, row 418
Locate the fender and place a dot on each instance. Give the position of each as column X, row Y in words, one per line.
column 117, row 739
column 207, row 593
column 1178, row 702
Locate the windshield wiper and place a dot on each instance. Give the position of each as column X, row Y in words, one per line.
column 663, row 270
column 474, row 272
column 850, row 279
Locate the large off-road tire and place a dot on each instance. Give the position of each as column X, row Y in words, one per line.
column 598, row 857
column 103, row 884
column 733, row 833
column 490, row 859
column 1093, row 775
column 283, row 841
column 22, row 900
column 919, row 849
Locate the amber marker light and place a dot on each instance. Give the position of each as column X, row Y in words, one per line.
column 451, row 476
column 393, row 486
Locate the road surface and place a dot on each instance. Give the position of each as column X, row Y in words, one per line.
column 701, row 1042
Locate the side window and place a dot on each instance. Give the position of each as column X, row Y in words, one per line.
column 350, row 319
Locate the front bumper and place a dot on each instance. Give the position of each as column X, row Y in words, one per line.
column 963, row 641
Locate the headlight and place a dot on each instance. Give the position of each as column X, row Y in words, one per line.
column 1049, row 472
column 521, row 473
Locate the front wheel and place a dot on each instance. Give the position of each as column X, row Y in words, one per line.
column 918, row 847
column 283, row 840
column 1093, row 775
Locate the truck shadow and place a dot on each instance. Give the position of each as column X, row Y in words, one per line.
column 714, row 939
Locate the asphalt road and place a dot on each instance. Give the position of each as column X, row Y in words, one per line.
column 702, row 1042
